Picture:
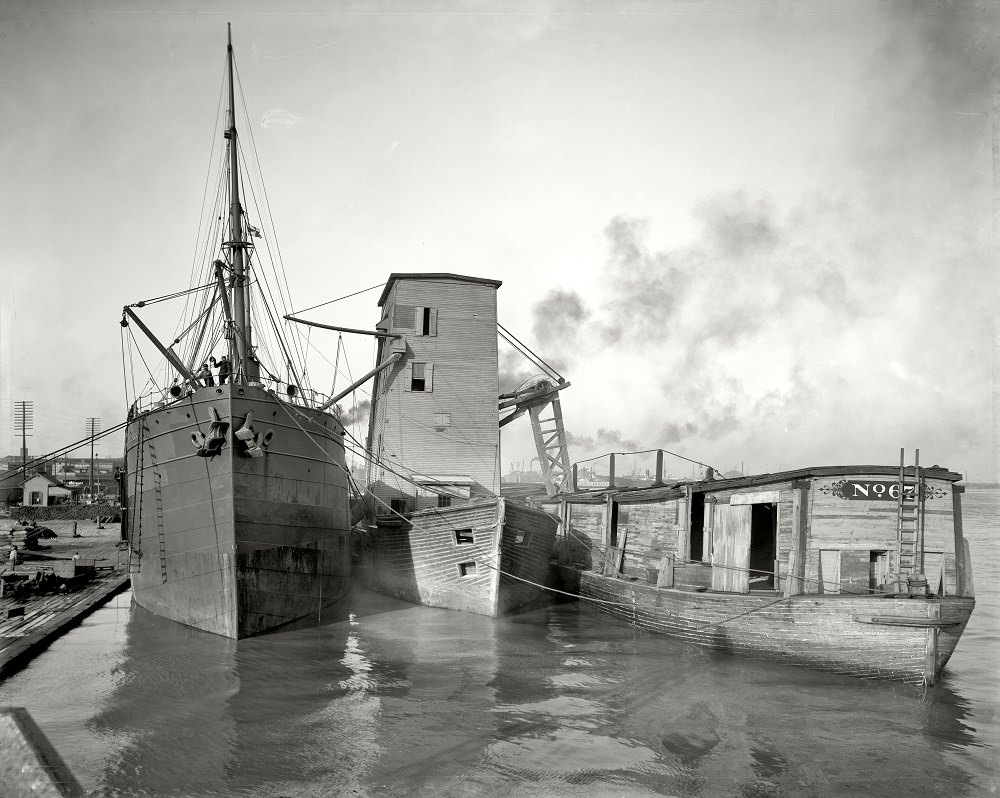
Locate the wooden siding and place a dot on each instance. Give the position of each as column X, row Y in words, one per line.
column 461, row 353
column 857, row 536
column 422, row 562
column 525, row 551
column 820, row 632
column 649, row 532
column 845, row 529
column 731, row 559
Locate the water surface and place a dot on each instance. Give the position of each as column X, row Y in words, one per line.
column 407, row 700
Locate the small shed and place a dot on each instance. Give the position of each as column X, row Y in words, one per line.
column 42, row 490
column 10, row 486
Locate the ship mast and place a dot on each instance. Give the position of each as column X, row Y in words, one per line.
column 242, row 367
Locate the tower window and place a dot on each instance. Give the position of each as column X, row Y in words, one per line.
column 421, row 377
column 467, row 569
column 442, row 420
column 425, row 321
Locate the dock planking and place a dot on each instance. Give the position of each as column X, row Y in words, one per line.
column 28, row 625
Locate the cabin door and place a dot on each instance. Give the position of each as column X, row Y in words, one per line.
column 731, row 539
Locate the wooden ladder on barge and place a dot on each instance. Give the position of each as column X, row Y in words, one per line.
column 910, row 518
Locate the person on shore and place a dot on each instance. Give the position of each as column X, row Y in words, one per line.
column 12, row 558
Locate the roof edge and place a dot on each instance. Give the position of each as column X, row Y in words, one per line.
column 433, row 276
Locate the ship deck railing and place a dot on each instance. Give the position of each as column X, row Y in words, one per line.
column 285, row 391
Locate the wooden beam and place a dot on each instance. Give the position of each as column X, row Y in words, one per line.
column 166, row 351
column 376, row 333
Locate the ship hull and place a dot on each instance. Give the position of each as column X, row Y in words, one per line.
column 228, row 542
column 488, row 557
column 907, row 639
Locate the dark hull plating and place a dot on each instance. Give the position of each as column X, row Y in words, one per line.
column 229, row 543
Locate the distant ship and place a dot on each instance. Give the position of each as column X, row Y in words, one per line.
column 236, row 498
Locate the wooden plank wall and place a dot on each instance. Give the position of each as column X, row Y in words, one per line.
column 849, row 527
column 652, row 530
column 585, row 533
column 465, row 384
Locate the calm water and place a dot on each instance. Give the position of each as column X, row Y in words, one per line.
column 415, row 701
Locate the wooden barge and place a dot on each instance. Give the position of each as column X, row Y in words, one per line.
column 488, row 556
column 859, row 570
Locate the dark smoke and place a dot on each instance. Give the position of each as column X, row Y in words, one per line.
column 357, row 414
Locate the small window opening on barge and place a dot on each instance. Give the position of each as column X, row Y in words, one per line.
column 467, row 569
column 463, row 536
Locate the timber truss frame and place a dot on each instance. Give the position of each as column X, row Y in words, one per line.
column 541, row 403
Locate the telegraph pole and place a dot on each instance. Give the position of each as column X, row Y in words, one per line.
column 93, row 427
column 24, row 419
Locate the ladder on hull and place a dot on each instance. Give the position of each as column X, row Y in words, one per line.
column 910, row 518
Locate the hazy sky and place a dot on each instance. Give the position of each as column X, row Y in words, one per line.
column 753, row 233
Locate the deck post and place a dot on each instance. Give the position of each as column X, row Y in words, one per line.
column 931, row 646
column 659, row 467
column 963, row 576
column 665, row 574
column 611, row 472
column 795, row 581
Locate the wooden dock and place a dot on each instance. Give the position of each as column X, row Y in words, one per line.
column 29, row 623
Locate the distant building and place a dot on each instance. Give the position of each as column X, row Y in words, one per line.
column 69, row 472
column 435, row 417
column 42, row 490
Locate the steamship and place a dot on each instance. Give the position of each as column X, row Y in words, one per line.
column 235, row 490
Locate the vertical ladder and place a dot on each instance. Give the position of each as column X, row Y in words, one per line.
column 909, row 518
column 159, row 525
column 135, row 511
column 158, row 499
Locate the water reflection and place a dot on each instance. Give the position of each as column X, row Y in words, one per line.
column 406, row 700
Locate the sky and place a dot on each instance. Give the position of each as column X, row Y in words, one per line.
column 755, row 234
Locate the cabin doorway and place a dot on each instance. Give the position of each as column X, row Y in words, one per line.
column 763, row 545
column 697, row 551
column 744, row 540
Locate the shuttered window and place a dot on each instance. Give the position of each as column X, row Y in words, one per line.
column 402, row 317
column 425, row 321
column 419, row 377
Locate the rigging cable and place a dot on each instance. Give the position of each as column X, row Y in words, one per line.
column 508, row 336
column 338, row 299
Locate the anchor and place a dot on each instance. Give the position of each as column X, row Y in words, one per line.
column 254, row 443
column 211, row 445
